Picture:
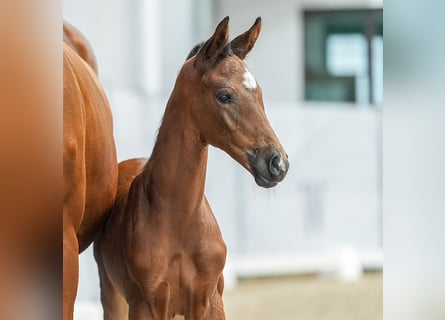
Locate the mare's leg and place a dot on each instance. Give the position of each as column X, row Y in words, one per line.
column 70, row 271
column 73, row 209
column 113, row 303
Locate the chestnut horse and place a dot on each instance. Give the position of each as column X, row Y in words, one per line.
column 161, row 252
column 89, row 158
column 77, row 42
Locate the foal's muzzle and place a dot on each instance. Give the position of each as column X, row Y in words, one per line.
column 268, row 165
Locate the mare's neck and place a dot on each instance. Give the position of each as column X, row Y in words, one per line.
column 175, row 174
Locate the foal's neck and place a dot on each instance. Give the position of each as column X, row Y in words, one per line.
column 176, row 171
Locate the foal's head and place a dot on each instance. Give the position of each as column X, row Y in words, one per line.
column 227, row 104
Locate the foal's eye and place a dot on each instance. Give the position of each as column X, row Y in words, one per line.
column 224, row 98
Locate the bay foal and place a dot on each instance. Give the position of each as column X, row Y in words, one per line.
column 161, row 253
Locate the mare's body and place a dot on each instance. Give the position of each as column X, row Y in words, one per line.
column 89, row 161
column 161, row 253
column 75, row 39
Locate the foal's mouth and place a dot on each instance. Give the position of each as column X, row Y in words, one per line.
column 263, row 182
column 268, row 166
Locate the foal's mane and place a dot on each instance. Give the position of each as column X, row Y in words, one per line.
column 195, row 50
column 225, row 52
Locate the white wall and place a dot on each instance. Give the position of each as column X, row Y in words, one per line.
column 108, row 25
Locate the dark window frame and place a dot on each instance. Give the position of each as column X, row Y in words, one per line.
column 371, row 27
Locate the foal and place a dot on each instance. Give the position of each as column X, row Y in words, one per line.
column 162, row 250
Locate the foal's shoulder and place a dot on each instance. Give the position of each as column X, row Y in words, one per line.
column 128, row 170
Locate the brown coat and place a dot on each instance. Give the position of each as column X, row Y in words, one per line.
column 89, row 166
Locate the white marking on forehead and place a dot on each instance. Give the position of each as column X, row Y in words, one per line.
column 249, row 81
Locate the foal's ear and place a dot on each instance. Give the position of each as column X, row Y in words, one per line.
column 211, row 49
column 242, row 44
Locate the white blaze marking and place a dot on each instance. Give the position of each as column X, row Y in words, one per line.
column 249, row 81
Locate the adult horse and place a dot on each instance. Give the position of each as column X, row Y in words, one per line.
column 75, row 39
column 89, row 158
column 161, row 253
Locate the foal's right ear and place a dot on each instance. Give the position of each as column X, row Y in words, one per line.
column 212, row 47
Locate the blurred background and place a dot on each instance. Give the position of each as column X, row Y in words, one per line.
column 311, row 248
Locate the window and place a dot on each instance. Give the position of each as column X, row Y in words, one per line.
column 344, row 56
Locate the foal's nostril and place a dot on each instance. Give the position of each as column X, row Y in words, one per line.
column 275, row 165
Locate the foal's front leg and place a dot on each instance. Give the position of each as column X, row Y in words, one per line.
column 154, row 305
column 216, row 311
column 70, row 271
column 205, row 307
column 113, row 303
column 139, row 311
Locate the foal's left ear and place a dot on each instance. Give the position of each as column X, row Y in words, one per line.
column 212, row 47
column 242, row 44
